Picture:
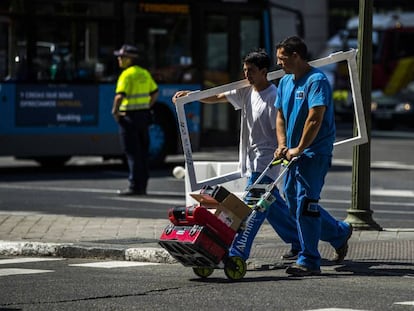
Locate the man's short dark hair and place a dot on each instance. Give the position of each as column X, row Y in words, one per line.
column 294, row 44
column 259, row 58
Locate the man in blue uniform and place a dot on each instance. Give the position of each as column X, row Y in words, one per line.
column 305, row 127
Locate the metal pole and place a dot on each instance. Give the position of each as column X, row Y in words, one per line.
column 360, row 214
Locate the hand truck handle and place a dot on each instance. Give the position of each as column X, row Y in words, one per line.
column 271, row 164
column 267, row 198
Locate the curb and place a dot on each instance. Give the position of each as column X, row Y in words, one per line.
column 371, row 249
column 69, row 250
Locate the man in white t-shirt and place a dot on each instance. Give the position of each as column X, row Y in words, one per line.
column 257, row 145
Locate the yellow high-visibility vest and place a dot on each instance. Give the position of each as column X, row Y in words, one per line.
column 137, row 84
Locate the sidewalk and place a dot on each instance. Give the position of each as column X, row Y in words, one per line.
column 137, row 240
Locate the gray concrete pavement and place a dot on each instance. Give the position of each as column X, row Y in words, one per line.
column 137, row 239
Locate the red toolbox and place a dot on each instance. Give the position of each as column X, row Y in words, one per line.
column 200, row 215
column 195, row 246
column 200, row 236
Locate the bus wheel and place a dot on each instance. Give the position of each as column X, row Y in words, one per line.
column 163, row 135
column 51, row 162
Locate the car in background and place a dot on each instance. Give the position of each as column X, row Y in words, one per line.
column 388, row 111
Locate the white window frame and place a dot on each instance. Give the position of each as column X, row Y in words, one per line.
column 360, row 138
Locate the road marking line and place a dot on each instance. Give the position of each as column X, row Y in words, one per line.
column 374, row 203
column 24, row 260
column 149, row 199
column 47, row 188
column 377, row 164
column 87, row 190
column 114, row 264
column 405, row 303
column 376, row 191
column 336, row 309
column 398, row 229
column 152, row 200
column 100, row 207
column 392, row 193
column 16, row 271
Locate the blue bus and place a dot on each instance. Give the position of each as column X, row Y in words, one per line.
column 58, row 72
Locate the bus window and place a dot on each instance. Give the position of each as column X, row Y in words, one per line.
column 60, row 43
column 215, row 117
column 217, row 71
column 4, row 26
column 224, row 55
column 162, row 33
column 249, row 38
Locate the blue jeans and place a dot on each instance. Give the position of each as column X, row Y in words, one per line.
column 277, row 215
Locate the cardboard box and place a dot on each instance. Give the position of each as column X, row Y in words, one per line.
column 236, row 206
column 232, row 211
column 218, row 192
column 204, row 198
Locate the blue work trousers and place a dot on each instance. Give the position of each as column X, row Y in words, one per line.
column 303, row 185
column 283, row 220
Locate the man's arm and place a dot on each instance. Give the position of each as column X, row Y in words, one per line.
column 219, row 98
column 280, row 135
column 310, row 131
column 115, row 106
column 154, row 96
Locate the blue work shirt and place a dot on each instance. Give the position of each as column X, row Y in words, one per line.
column 295, row 98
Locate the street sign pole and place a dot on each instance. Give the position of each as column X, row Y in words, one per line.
column 360, row 213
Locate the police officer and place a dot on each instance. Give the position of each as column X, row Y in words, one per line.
column 136, row 92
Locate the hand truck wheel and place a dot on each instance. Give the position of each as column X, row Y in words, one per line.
column 203, row 272
column 235, row 268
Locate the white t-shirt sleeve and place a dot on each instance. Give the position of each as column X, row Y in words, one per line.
column 234, row 97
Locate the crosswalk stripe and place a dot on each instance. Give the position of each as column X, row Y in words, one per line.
column 16, row 271
column 24, row 260
column 405, row 303
column 114, row 264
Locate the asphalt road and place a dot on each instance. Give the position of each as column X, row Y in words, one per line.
column 87, row 187
column 75, row 284
column 89, row 190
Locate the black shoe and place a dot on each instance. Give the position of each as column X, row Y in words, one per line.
column 129, row 191
column 300, row 270
column 290, row 255
column 341, row 252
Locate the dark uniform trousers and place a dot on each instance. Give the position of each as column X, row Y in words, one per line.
column 135, row 143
